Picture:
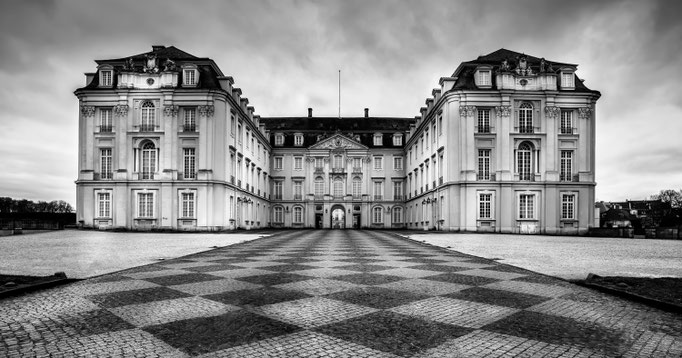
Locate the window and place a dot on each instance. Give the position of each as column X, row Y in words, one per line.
column 397, row 215
column 189, row 163
column 190, row 120
column 483, row 78
column 338, row 187
column 483, row 121
column 377, row 215
column 106, row 78
column 567, row 80
column 278, row 163
column 279, row 139
column 278, row 190
column 568, row 206
column 484, row 164
column 378, row 139
column 338, row 161
column 105, row 122
column 566, row 122
column 434, row 133
column 279, row 214
column 422, row 145
column 440, row 124
column 397, row 190
column 298, row 140
column 145, row 205
column 239, row 133
column 357, row 187
column 397, row 139
column 524, row 165
column 298, row 214
column 319, row 164
column 232, row 124
column 485, row 205
column 378, row 163
column 148, row 160
column 298, row 163
column 105, row 163
column 378, row 190
column 440, row 168
column 187, row 205
column 104, row 204
column 566, row 170
column 357, row 165
column 426, row 137
column 147, row 117
column 298, row 190
column 319, row 187
column 526, row 118
column 526, row 203
column 398, row 163
column 189, row 76
column 248, row 135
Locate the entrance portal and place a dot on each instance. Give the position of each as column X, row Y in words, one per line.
column 338, row 217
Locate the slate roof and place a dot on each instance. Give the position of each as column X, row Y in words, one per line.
column 466, row 70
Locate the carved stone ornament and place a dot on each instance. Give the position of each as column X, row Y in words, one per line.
column 171, row 110
column 206, row 110
column 169, row 65
column 128, row 65
column 503, row 111
column 121, row 110
column 368, row 159
column 551, row 112
column 584, row 112
column 88, row 111
column 337, row 142
column 467, row 111
column 310, row 159
column 150, row 64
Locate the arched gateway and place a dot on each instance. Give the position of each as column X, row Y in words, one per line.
column 338, row 217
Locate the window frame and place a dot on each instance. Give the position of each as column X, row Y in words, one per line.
column 568, row 206
column 377, row 215
column 486, row 202
column 188, row 69
column 378, row 139
column 278, row 163
column 187, row 204
column 103, row 207
column 526, row 204
column 484, row 159
column 399, row 161
column 279, row 139
column 378, row 163
column 106, row 161
column 106, row 122
column 106, row 76
column 149, row 205
column 566, row 165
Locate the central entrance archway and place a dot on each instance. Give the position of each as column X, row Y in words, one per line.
column 338, row 217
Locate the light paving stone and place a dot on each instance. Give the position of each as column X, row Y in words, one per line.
column 45, row 304
column 182, row 265
column 425, row 287
column 530, row 288
column 240, row 273
column 500, row 275
column 88, row 289
column 399, row 263
column 323, row 272
column 408, row 272
column 300, row 344
column 256, row 264
column 319, row 287
column 154, row 274
column 463, row 263
column 159, row 312
column 214, row 286
column 457, row 312
column 655, row 344
column 329, row 263
column 313, row 312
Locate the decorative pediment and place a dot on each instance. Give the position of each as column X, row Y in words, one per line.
column 338, row 141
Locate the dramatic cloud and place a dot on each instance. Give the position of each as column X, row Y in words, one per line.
column 285, row 55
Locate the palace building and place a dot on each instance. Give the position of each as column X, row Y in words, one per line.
column 505, row 144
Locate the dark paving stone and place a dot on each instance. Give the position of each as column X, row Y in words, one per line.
column 93, row 322
column 360, row 260
column 368, row 278
column 534, row 278
column 148, row 268
column 560, row 330
column 109, row 278
column 461, row 279
column 394, row 333
column 358, row 254
column 440, row 268
column 145, row 295
column 507, row 268
column 257, row 297
column 231, row 260
column 478, row 260
column 288, row 268
column 298, row 260
column 209, row 334
column 425, row 261
column 213, row 268
column 275, row 278
column 376, row 297
column 498, row 297
column 182, row 279
column 364, row 268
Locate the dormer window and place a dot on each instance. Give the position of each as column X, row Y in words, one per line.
column 279, row 139
column 106, row 76
column 567, row 79
column 190, row 75
column 398, row 139
column 378, row 139
column 298, row 139
column 483, row 77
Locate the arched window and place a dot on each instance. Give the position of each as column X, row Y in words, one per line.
column 298, row 214
column 377, row 215
column 279, row 214
column 397, row 215
column 338, row 187
column 319, row 187
column 147, row 116
column 526, row 118
column 148, row 160
column 357, row 187
column 524, row 161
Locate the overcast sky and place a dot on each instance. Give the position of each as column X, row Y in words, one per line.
column 285, row 55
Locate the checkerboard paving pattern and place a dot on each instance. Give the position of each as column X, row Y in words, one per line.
column 332, row 294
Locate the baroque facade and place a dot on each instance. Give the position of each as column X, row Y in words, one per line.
column 506, row 144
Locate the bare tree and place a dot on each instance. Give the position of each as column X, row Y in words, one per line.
column 674, row 197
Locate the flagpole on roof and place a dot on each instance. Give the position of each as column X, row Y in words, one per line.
column 339, row 94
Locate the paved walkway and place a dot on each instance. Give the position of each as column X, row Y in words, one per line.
column 332, row 294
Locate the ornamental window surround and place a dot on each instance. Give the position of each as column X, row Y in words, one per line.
column 566, row 125
column 187, row 205
column 147, row 116
column 397, row 215
column 377, row 215
column 279, row 139
column 526, row 206
column 483, row 77
column 526, row 118
column 568, row 201
column 190, row 75
column 103, row 209
column 567, row 79
column 526, row 160
column 298, row 139
column 106, row 76
column 106, row 123
column 398, row 139
column 378, row 139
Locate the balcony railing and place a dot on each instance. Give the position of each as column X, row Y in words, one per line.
column 106, row 129
column 357, row 170
column 357, row 196
column 485, row 176
column 527, row 129
column 319, row 196
column 484, row 129
column 398, row 197
column 319, row 170
column 298, row 197
column 569, row 177
column 378, row 197
column 103, row 176
column 188, row 175
column 527, row 177
column 568, row 130
column 338, row 170
column 147, row 128
column 189, row 128
column 145, row 175
column 278, row 196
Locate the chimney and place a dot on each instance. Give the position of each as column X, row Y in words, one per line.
column 310, row 112
column 366, row 112
column 158, row 47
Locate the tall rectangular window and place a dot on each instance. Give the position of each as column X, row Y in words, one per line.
column 278, row 190
column 145, row 207
column 398, row 163
column 105, row 124
column 567, row 80
column 279, row 214
column 483, row 121
column 566, row 170
column 357, row 164
column 298, row 140
column 378, row 139
column 319, row 187
column 526, row 206
column 298, row 214
column 440, row 124
column 434, row 134
column 319, row 163
column 189, row 163
column 278, row 163
column 484, row 164
column 378, row 190
column 106, row 78
column 568, row 206
column 279, row 139
column 190, row 77
column 426, row 138
column 378, row 163
column 377, row 215
column 338, row 161
column 485, row 205
column 298, row 163
column 248, row 136
column 187, row 205
column 357, row 187
column 566, row 122
column 190, row 120
column 397, row 190
column 105, row 163
column 104, row 204
column 338, row 188
column 484, row 78
column 232, row 124
column 298, row 190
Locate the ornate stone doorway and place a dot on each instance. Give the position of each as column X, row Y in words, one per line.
column 338, row 217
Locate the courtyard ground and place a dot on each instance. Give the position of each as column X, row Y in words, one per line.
column 332, row 294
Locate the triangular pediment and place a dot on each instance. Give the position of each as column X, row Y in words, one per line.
column 338, row 141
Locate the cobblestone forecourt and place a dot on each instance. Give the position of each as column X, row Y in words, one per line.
column 332, row 294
